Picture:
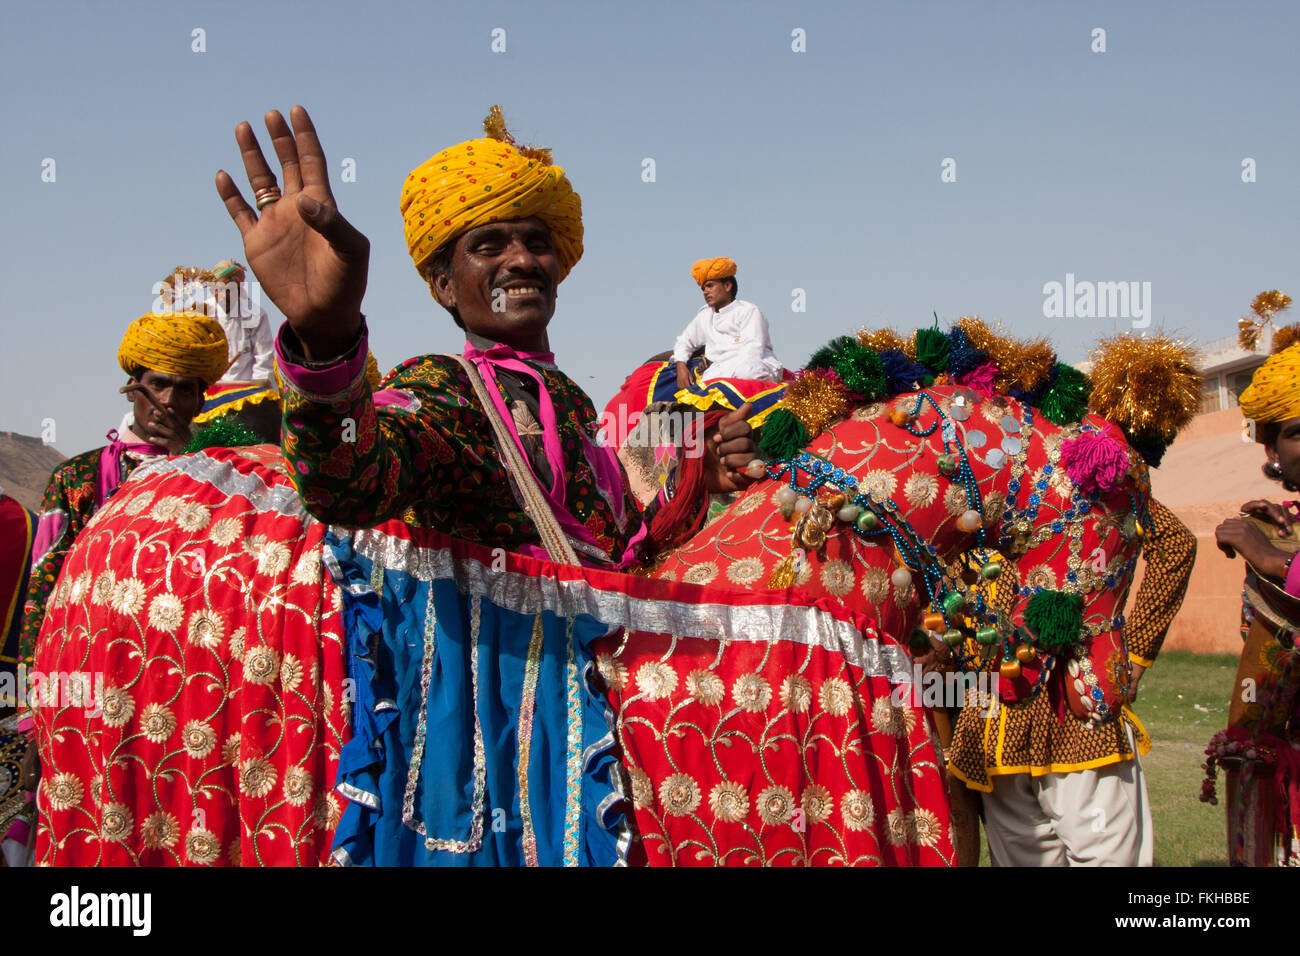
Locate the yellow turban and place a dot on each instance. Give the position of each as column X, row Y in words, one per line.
column 486, row 180
column 1274, row 392
column 706, row 269
column 177, row 343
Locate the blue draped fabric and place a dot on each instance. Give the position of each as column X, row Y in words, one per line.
column 449, row 690
column 719, row 393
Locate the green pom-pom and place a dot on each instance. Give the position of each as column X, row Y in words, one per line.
column 1055, row 618
column 932, row 349
column 862, row 373
column 1067, row 399
column 783, row 436
column 222, row 433
column 859, row 368
column 825, row 356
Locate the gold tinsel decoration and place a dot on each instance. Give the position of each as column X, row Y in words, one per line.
column 1024, row 364
column 1265, row 306
column 816, row 401
column 782, row 575
column 1147, row 385
column 1268, row 304
column 1286, row 336
column 176, row 279
column 881, row 340
column 984, row 339
column 494, row 125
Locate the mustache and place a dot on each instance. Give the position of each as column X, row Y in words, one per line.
column 515, row 275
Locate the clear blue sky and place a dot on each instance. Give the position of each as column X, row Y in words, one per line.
column 817, row 170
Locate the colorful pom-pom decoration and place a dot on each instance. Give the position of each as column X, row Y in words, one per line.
column 1055, row 618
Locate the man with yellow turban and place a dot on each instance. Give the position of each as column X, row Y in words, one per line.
column 170, row 359
column 1263, row 829
column 496, row 447
column 732, row 332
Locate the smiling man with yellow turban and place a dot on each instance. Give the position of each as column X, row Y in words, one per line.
column 497, row 447
column 170, row 358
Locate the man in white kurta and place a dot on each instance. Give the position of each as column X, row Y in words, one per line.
column 247, row 327
column 733, row 332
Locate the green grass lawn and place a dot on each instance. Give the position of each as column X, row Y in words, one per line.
column 1183, row 702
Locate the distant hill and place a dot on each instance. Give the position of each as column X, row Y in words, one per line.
column 25, row 467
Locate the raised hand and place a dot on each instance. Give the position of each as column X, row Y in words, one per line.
column 309, row 260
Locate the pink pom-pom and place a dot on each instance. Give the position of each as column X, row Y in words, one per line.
column 980, row 378
column 1095, row 461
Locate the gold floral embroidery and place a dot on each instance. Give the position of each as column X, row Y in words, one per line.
column 65, row 791
column 706, row 687
column 837, row 577
column 751, row 693
column 888, row 719
column 118, row 707
column 643, row 791
column 836, row 697
column 297, row 786
column 745, row 571
column 775, row 805
column 921, row 489
column 205, row 628
column 729, row 802
column 256, row 777
column 115, row 823
column 680, row 794
column 165, row 612
column 160, row 831
column 102, row 592
column 613, row 671
column 193, row 517
column 796, row 693
column 656, row 680
column 157, row 722
column 290, row 672
column 128, row 597
column 198, row 738
column 202, row 846
column 226, row 532
column 857, row 810
column 1041, row 576
column 261, row 664
column 899, row 825
column 816, row 803
column 701, row 573
column 875, row 585
column 925, row 828
column 955, row 499
column 879, row 483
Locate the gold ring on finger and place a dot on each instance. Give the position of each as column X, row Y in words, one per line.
column 266, row 195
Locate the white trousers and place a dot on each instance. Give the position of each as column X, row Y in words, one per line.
column 1096, row 817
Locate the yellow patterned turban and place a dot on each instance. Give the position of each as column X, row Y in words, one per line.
column 487, row 180
column 706, row 269
column 1274, row 392
column 177, row 343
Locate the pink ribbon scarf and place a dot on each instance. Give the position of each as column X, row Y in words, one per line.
column 110, row 463
column 602, row 459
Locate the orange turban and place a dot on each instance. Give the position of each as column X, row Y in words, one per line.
column 706, row 269
column 176, row 343
column 1274, row 392
column 486, row 180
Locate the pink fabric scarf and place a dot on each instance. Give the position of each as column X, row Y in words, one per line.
column 110, row 463
column 604, row 463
